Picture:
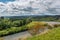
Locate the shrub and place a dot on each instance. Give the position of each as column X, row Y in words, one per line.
column 57, row 25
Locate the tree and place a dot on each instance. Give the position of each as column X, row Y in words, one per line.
column 5, row 23
column 28, row 20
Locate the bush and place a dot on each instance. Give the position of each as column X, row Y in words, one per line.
column 57, row 25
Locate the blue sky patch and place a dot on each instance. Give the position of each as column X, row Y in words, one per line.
column 4, row 1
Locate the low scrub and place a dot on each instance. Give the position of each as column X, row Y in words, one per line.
column 57, row 25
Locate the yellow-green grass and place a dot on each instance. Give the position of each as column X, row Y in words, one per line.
column 53, row 34
column 35, row 23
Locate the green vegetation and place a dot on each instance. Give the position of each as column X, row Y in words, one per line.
column 12, row 30
column 53, row 34
column 36, row 23
column 8, row 26
column 14, row 25
column 46, row 18
column 57, row 25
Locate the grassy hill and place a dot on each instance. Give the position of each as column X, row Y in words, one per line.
column 53, row 34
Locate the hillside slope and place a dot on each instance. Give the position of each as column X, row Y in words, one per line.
column 53, row 34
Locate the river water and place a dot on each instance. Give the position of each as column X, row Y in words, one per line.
column 17, row 35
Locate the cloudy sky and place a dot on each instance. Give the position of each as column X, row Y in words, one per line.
column 29, row 7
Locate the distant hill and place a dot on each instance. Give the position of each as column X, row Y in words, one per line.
column 33, row 17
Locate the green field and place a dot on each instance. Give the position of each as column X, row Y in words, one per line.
column 53, row 34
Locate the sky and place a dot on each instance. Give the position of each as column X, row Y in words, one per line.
column 4, row 1
column 29, row 7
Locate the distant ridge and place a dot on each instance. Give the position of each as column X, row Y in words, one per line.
column 58, row 16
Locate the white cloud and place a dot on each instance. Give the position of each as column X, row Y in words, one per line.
column 30, row 7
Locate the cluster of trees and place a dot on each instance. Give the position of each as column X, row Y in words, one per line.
column 7, row 23
column 9, row 26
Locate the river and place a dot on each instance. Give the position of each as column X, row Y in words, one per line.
column 16, row 36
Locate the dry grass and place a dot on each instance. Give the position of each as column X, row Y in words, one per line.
column 1, row 38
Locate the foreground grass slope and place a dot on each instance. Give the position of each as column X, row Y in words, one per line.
column 53, row 34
